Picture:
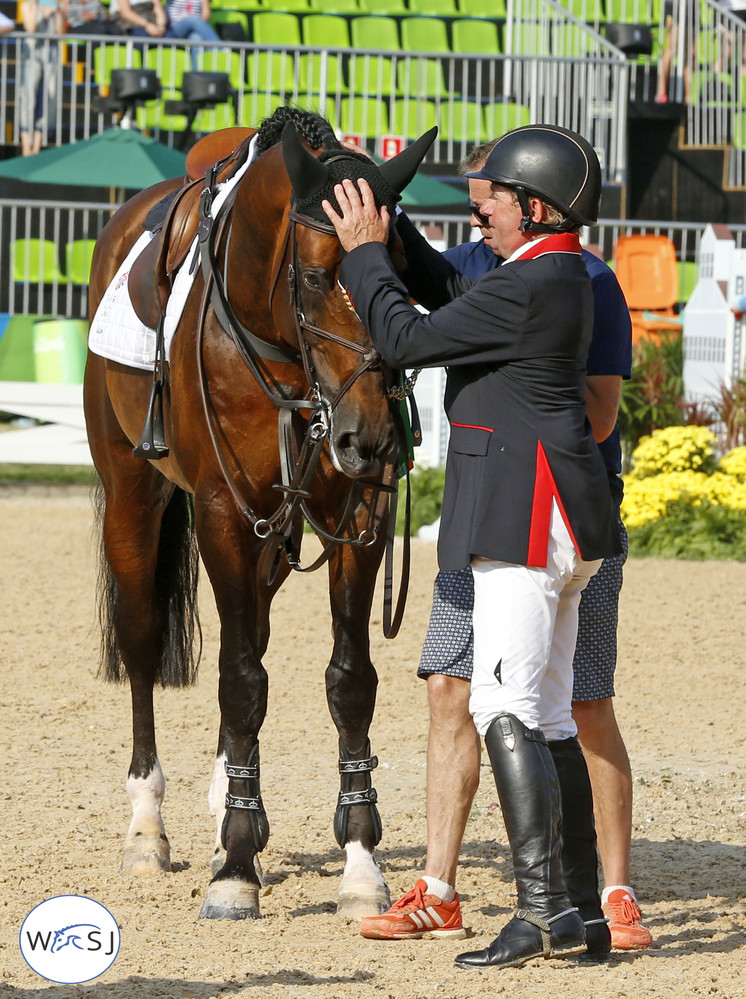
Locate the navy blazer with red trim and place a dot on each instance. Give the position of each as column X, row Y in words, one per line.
column 515, row 344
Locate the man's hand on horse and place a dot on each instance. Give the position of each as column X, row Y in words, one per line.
column 360, row 221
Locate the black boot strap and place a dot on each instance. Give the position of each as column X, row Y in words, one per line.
column 358, row 766
column 545, row 925
column 242, row 773
column 248, row 804
column 348, row 798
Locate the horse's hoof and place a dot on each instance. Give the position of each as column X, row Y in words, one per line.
column 231, row 900
column 146, row 855
column 366, row 900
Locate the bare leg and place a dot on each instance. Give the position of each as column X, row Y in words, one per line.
column 611, row 780
column 453, row 754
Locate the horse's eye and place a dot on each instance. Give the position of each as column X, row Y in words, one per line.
column 312, row 280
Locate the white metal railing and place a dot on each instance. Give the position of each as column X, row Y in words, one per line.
column 62, row 223
column 576, row 80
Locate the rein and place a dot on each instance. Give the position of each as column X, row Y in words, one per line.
column 297, row 464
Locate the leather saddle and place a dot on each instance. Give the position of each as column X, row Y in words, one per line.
column 175, row 220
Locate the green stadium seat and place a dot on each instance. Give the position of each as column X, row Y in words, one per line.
column 247, row 6
column 421, row 77
column 434, row 8
column 78, row 256
column 335, row 6
column 270, row 72
column 571, row 41
column 629, row 12
column 325, row 31
column 501, row 117
column 688, row 277
column 286, row 6
column 169, row 63
column 114, row 56
column 424, row 34
column 365, row 116
column 378, row 34
column 253, row 108
column 462, row 121
column 372, row 74
column 470, row 35
column 152, row 116
column 386, row 7
column 275, row 28
column 483, row 8
column 35, row 261
column 311, row 68
column 218, row 18
column 590, row 11
column 712, row 89
column 228, row 61
column 412, row 117
column 212, row 119
column 530, row 38
column 312, row 103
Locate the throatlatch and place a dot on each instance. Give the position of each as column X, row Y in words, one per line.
column 251, row 801
column 349, row 769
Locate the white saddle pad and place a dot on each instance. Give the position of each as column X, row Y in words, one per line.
column 116, row 332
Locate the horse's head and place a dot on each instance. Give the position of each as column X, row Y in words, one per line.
column 348, row 371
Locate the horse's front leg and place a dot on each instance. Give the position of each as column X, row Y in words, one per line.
column 243, row 605
column 351, row 683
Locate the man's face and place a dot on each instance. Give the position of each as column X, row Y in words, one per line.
column 479, row 192
column 505, row 217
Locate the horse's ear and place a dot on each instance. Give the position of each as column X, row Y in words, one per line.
column 400, row 170
column 307, row 174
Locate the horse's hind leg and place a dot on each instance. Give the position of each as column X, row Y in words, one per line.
column 142, row 521
column 351, row 683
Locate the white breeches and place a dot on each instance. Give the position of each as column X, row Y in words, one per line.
column 525, row 627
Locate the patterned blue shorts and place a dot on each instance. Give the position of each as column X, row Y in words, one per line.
column 449, row 643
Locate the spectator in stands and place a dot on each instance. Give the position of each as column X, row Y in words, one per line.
column 676, row 12
column 39, row 71
column 87, row 17
column 145, row 19
column 191, row 19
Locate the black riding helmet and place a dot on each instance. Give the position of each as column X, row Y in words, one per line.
column 551, row 163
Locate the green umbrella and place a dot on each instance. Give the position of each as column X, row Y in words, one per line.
column 118, row 157
column 426, row 192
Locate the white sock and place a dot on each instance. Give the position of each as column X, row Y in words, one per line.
column 440, row 888
column 607, row 891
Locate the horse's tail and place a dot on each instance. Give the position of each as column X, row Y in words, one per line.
column 177, row 573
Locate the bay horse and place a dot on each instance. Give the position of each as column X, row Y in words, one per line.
column 271, row 408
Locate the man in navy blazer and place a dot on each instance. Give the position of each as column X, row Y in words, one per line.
column 526, row 499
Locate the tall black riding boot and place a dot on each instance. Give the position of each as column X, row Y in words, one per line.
column 579, row 859
column 544, row 924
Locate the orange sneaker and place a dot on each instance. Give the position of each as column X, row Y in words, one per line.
column 416, row 915
column 625, row 922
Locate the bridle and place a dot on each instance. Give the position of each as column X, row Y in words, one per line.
column 297, row 462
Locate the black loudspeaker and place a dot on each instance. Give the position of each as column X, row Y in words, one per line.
column 632, row 39
column 133, row 85
column 205, row 88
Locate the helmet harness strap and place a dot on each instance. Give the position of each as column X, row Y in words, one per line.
column 527, row 223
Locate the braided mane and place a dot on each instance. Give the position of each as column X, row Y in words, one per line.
column 315, row 130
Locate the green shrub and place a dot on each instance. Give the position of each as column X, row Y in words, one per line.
column 693, row 532
column 427, row 498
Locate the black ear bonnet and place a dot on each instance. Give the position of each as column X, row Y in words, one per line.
column 342, row 165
